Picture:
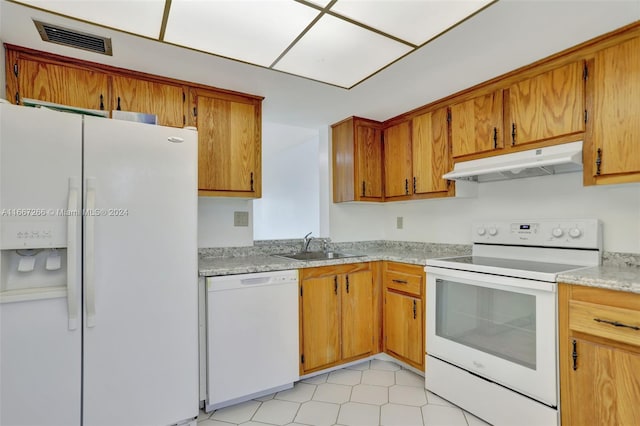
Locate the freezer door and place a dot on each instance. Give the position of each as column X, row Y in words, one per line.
column 40, row 343
column 140, row 283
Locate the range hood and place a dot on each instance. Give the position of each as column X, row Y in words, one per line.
column 550, row 160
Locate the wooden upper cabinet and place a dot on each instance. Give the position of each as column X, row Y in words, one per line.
column 547, row 106
column 357, row 160
column 62, row 84
column 615, row 135
column 229, row 143
column 476, row 125
column 397, row 160
column 430, row 152
column 164, row 100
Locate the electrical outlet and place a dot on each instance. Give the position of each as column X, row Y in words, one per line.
column 399, row 222
column 240, row 218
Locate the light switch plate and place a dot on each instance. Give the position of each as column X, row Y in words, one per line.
column 399, row 222
column 240, row 218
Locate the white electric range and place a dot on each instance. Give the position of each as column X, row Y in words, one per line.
column 492, row 317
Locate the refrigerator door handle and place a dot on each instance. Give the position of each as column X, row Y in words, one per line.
column 72, row 252
column 89, row 256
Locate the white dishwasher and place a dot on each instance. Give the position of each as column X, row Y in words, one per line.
column 252, row 336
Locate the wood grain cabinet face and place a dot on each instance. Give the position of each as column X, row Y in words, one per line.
column 476, row 125
column 357, row 160
column 397, row 160
column 404, row 312
column 599, row 356
column 547, row 106
column 62, row 84
column 616, row 124
column 164, row 100
column 336, row 316
column 430, row 152
column 229, row 143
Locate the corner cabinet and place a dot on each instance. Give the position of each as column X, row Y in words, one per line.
column 614, row 148
column 229, row 144
column 599, row 356
column 338, row 315
column 403, row 313
column 357, row 160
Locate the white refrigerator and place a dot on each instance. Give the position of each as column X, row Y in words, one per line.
column 98, row 271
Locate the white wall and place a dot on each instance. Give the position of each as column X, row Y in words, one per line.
column 215, row 222
column 562, row 196
column 290, row 203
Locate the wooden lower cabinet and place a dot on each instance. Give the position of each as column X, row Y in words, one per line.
column 339, row 315
column 403, row 301
column 599, row 356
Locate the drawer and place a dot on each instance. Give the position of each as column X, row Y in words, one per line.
column 609, row 322
column 406, row 283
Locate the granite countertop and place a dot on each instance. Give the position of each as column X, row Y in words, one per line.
column 620, row 271
column 262, row 262
column 615, row 277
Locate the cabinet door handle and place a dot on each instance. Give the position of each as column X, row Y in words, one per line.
column 495, row 137
column 335, row 285
column 513, row 134
column 101, row 102
column 399, row 281
column 414, row 309
column 574, row 355
column 347, row 284
column 617, row 324
column 598, row 161
column 406, row 186
column 363, row 189
column 414, row 185
column 118, row 108
column 251, row 181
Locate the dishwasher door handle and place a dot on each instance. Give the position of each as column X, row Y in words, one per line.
column 255, row 281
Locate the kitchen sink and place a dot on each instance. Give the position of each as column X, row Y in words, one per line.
column 317, row 255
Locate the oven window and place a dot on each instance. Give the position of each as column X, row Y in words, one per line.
column 501, row 323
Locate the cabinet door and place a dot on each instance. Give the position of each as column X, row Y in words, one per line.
column 548, row 105
column 397, row 160
column 228, row 143
column 357, row 314
column 67, row 85
column 164, row 100
column 476, row 125
column 368, row 161
column 403, row 327
column 430, row 152
column 616, row 123
column 604, row 388
column 320, row 327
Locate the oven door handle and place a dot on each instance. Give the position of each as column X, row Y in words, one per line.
column 489, row 280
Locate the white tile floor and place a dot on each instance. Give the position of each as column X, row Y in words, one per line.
column 370, row 393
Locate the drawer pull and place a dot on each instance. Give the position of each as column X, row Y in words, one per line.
column 574, row 354
column 400, row 281
column 617, row 324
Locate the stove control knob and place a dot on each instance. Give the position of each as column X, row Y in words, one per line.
column 481, row 231
column 493, row 232
column 557, row 232
column 575, row 233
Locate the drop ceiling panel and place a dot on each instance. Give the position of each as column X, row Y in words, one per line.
column 410, row 20
column 339, row 53
column 248, row 30
column 142, row 17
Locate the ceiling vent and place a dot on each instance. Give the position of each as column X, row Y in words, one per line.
column 72, row 38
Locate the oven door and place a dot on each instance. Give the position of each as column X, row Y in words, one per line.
column 500, row 328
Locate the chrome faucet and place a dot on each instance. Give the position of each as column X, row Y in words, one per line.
column 305, row 242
